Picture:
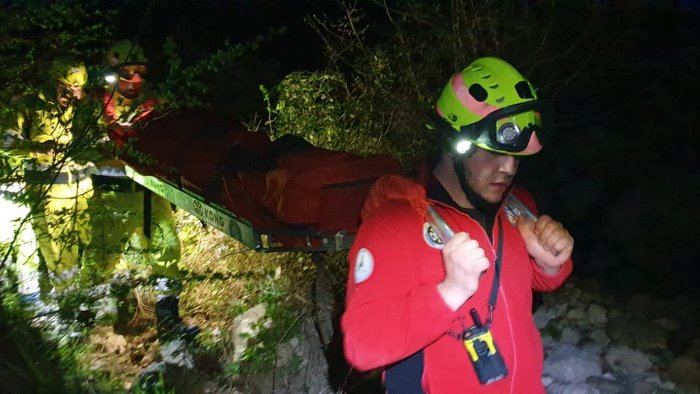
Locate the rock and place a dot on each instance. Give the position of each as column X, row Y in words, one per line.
column 301, row 367
column 542, row 316
column 597, row 315
column 244, row 327
column 593, row 348
column 571, row 388
column 176, row 353
column 576, row 314
column 109, row 341
column 548, row 343
column 547, row 380
column 569, row 336
column 570, row 364
column 624, row 359
column 598, row 336
column 606, row 385
column 646, row 384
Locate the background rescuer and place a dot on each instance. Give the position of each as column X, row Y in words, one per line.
column 447, row 308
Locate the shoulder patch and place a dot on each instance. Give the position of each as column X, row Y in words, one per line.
column 364, row 265
column 431, row 237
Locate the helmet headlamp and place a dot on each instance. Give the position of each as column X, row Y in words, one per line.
column 111, row 78
column 462, row 146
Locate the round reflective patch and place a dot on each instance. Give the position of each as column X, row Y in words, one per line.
column 508, row 133
column 431, row 237
column 364, row 265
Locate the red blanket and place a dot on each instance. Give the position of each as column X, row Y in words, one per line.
column 282, row 184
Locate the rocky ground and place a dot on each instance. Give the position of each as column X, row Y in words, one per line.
column 596, row 343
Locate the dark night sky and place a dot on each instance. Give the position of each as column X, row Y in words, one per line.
column 199, row 27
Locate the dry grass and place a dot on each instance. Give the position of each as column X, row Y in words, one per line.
column 222, row 279
column 225, row 277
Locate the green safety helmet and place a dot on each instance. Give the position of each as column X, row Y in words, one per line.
column 75, row 76
column 491, row 105
column 69, row 72
column 125, row 52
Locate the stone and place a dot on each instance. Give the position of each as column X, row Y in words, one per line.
column 627, row 360
column 244, row 327
column 597, row 315
column 605, row 384
column 176, row 353
column 600, row 337
column 116, row 344
column 542, row 317
column 576, row 314
column 571, row 388
column 569, row 336
column 570, row 364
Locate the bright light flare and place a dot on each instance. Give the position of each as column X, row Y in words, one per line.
column 111, row 79
column 462, row 146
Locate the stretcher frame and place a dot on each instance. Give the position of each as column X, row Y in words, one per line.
column 241, row 229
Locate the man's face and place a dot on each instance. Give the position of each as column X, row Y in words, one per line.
column 130, row 88
column 66, row 94
column 131, row 79
column 490, row 174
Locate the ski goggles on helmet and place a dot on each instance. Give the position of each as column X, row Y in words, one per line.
column 508, row 130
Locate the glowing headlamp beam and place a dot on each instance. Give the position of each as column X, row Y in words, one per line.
column 462, row 146
column 111, row 78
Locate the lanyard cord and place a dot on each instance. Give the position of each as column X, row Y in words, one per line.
column 496, row 275
column 494, row 288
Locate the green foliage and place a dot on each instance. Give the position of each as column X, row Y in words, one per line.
column 317, row 107
column 205, row 80
column 29, row 362
column 278, row 325
column 382, row 78
column 34, row 33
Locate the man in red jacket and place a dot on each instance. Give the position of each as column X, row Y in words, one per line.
column 441, row 274
column 122, row 211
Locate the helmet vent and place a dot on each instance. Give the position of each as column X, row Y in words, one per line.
column 478, row 92
column 524, row 90
column 501, row 99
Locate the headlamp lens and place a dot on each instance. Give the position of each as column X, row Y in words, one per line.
column 111, row 78
column 462, row 146
column 507, row 133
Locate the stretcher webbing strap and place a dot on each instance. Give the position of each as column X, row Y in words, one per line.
column 147, row 208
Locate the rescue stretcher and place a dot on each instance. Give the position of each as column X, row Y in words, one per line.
column 272, row 196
